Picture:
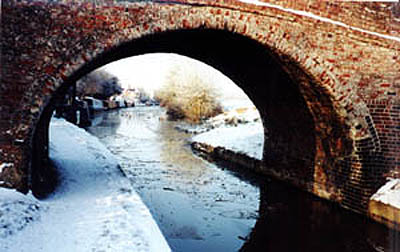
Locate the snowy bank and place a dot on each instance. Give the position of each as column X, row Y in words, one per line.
column 93, row 209
column 389, row 194
column 384, row 205
column 17, row 211
column 239, row 130
column 234, row 117
column 244, row 138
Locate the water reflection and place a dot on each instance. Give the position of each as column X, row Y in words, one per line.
column 175, row 150
column 291, row 220
column 198, row 206
column 201, row 206
column 104, row 124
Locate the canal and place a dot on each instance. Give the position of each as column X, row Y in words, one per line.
column 203, row 206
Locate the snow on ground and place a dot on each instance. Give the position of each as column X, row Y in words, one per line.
column 240, row 130
column 93, row 209
column 389, row 194
column 236, row 116
column 244, row 138
column 233, row 116
column 17, row 211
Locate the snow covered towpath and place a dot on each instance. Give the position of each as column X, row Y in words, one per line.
column 93, row 209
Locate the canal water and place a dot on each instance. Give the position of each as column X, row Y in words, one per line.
column 203, row 206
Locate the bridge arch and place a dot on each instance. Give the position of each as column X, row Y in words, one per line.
column 336, row 66
column 304, row 131
column 278, row 48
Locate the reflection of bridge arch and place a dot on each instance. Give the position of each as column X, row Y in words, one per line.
column 317, row 119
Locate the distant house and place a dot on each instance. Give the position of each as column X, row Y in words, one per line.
column 120, row 100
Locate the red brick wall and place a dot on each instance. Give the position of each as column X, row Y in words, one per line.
column 373, row 16
column 348, row 79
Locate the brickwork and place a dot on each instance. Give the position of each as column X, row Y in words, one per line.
column 373, row 16
column 328, row 94
column 381, row 17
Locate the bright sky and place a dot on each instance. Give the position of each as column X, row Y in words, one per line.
column 147, row 71
column 150, row 70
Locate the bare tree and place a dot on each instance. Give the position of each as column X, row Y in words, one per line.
column 99, row 84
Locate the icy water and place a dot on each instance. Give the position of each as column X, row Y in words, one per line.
column 198, row 206
column 201, row 206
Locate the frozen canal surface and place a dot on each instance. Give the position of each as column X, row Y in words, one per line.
column 200, row 206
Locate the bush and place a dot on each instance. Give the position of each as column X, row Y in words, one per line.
column 188, row 96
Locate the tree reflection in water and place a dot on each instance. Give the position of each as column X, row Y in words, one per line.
column 292, row 220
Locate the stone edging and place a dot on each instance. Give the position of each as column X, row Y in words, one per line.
column 382, row 213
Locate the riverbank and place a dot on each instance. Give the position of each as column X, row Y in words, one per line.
column 93, row 209
column 238, row 146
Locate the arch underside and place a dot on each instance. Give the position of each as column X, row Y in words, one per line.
column 308, row 132
column 291, row 104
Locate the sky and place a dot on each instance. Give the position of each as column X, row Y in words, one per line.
column 149, row 71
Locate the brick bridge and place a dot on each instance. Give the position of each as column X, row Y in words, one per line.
column 325, row 77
